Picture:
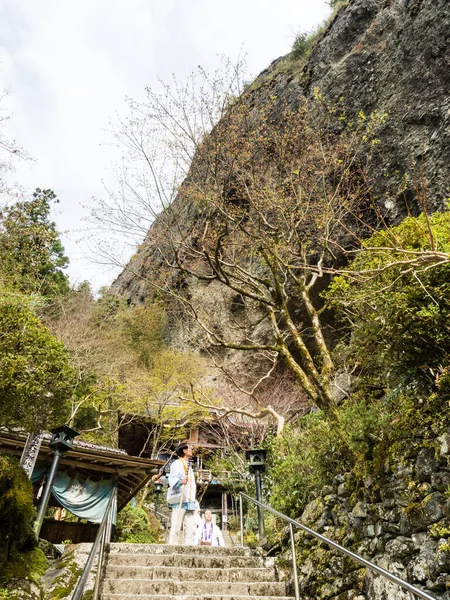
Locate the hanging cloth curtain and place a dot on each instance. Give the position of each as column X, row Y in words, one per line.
column 87, row 499
column 38, row 472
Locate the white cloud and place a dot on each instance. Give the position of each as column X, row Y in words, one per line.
column 69, row 66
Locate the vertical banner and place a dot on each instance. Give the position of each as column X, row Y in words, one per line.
column 31, row 452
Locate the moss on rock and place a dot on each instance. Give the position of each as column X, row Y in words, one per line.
column 16, row 512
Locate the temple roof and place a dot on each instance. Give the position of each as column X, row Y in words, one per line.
column 93, row 461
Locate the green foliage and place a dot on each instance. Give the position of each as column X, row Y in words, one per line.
column 16, row 512
column 305, row 42
column 398, row 311
column 302, row 460
column 136, row 526
column 300, row 45
column 251, row 540
column 121, row 364
column 29, row 565
column 140, row 537
column 31, row 254
column 365, row 436
column 141, row 329
column 35, row 376
column 233, row 523
column 107, row 308
column 231, row 468
column 156, row 393
column 395, row 300
column 175, row 370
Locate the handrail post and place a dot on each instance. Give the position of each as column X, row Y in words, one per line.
column 241, row 519
column 109, row 521
column 294, row 563
column 106, row 538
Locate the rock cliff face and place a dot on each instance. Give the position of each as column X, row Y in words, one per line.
column 392, row 56
column 387, row 55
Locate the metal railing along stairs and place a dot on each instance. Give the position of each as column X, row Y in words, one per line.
column 102, row 538
column 414, row 592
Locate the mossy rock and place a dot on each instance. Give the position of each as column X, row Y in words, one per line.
column 21, row 577
column 60, row 580
column 313, row 511
column 21, row 589
column 16, row 512
column 29, row 565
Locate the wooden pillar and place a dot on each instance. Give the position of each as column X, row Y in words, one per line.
column 224, row 511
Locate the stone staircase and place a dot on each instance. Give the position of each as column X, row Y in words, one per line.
column 161, row 572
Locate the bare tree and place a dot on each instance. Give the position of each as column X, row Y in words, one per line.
column 9, row 152
column 273, row 195
column 259, row 215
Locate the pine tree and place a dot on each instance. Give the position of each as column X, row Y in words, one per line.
column 31, row 253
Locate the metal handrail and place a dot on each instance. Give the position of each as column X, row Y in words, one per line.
column 103, row 536
column 413, row 591
column 162, row 516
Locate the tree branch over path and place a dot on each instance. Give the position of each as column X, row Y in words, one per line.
column 223, row 412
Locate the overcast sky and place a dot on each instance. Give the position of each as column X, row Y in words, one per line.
column 70, row 63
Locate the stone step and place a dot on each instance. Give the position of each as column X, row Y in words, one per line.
column 229, row 539
column 182, row 560
column 191, row 588
column 196, row 597
column 189, row 574
column 120, row 548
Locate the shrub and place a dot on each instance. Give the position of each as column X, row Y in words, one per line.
column 310, row 453
column 234, row 523
column 300, row 45
column 368, row 433
column 397, row 313
column 251, row 540
column 136, row 526
column 300, row 463
column 306, row 41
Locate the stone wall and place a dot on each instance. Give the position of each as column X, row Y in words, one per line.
column 400, row 521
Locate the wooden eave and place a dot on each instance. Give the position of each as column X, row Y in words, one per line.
column 91, row 460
